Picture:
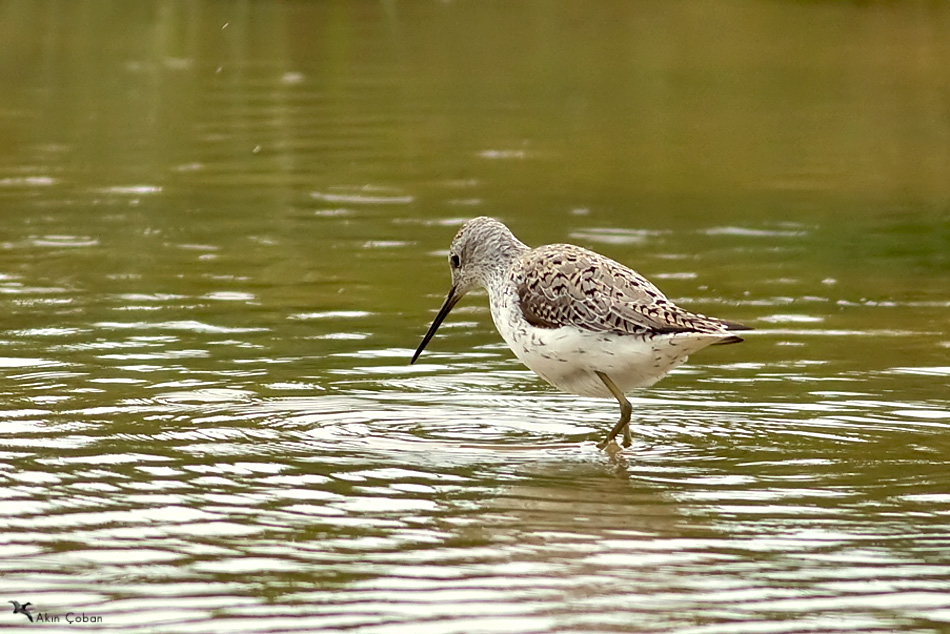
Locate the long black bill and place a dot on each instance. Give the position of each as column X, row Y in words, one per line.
column 450, row 301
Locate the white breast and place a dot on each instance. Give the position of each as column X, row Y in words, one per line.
column 568, row 357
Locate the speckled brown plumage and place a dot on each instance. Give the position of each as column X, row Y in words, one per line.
column 566, row 285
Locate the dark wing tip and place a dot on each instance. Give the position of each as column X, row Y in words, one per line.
column 731, row 325
column 728, row 340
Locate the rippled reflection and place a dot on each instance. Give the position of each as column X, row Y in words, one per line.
column 224, row 232
column 197, row 467
column 456, row 497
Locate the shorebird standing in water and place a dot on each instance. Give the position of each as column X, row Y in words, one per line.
column 582, row 322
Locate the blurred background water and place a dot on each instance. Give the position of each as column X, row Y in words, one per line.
column 224, row 231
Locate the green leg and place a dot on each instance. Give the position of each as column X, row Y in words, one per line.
column 625, row 409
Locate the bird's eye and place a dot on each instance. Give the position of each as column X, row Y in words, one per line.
column 455, row 261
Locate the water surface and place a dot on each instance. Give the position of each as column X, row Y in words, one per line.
column 224, row 233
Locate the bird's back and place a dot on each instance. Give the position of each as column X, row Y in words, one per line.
column 566, row 285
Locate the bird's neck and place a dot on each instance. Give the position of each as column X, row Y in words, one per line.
column 504, row 255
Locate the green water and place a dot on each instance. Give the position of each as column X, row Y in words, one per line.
column 223, row 234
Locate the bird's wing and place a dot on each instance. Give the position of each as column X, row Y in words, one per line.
column 565, row 285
